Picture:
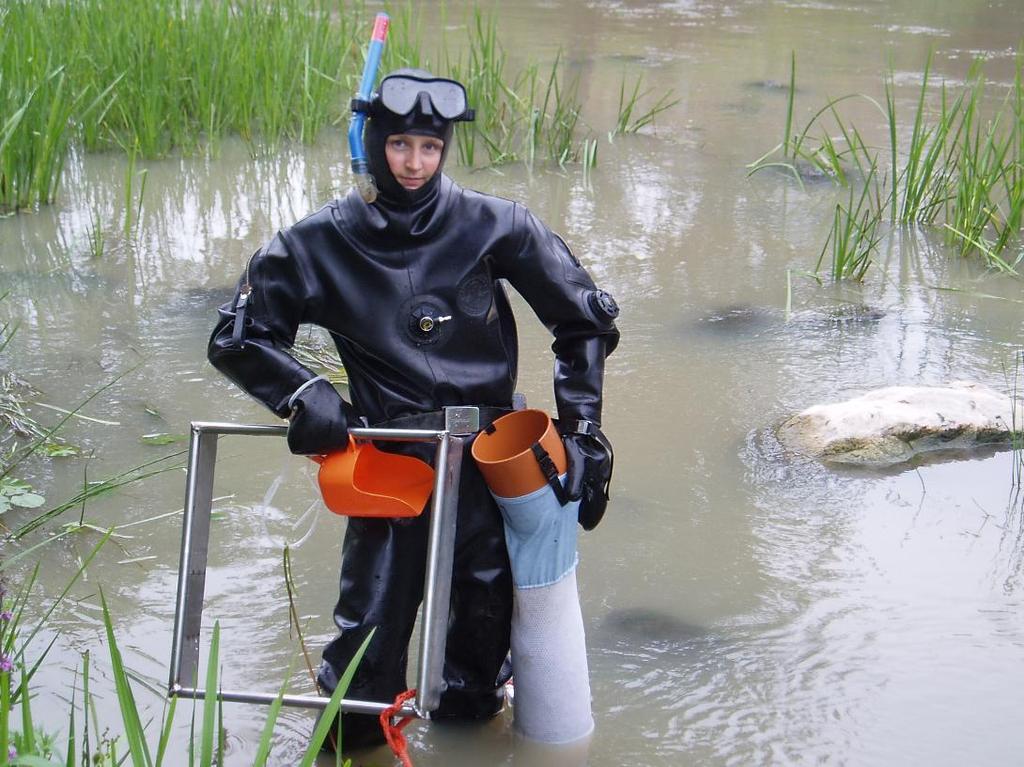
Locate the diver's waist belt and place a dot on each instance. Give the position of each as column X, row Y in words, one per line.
column 435, row 419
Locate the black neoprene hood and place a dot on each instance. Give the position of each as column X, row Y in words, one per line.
column 422, row 120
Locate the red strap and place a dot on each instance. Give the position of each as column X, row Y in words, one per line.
column 393, row 731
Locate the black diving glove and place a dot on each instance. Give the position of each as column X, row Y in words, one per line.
column 589, row 459
column 319, row 420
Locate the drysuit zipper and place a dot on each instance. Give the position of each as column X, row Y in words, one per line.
column 238, row 331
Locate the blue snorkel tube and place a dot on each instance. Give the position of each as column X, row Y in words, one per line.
column 360, row 106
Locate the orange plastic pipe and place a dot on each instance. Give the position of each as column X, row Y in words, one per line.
column 504, row 455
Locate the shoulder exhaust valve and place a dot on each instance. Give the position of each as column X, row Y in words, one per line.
column 603, row 305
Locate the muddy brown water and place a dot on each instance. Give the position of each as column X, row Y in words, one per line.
column 742, row 607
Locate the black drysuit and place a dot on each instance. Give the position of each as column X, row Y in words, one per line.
column 370, row 274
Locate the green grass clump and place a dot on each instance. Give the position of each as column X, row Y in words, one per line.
column 928, row 170
column 854, row 235
column 163, row 74
column 527, row 116
column 631, row 118
column 962, row 168
column 36, row 105
column 803, row 155
column 150, row 76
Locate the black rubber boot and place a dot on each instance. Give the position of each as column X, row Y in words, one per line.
column 358, row 731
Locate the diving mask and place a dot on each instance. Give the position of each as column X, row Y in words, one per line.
column 400, row 93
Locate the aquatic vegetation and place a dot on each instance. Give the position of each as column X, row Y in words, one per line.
column 13, row 648
column 553, row 119
column 13, row 744
column 15, row 696
column 7, row 329
column 967, row 167
column 630, row 119
column 404, row 47
column 94, row 232
column 19, row 426
column 923, row 182
column 588, row 158
column 36, row 105
column 483, row 74
column 176, row 74
column 17, row 423
column 96, row 488
column 15, row 492
column 152, row 76
column 829, row 157
column 95, row 745
column 132, row 207
column 975, row 200
column 854, row 235
column 961, row 169
column 518, row 118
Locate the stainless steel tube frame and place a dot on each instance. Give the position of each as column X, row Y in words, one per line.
column 195, row 539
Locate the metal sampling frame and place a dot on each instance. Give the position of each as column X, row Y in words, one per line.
column 460, row 424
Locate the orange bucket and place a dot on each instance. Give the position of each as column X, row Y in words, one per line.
column 503, row 452
column 363, row 481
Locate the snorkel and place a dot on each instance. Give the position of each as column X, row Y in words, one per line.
column 364, row 182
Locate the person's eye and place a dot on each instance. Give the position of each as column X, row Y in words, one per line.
column 396, row 144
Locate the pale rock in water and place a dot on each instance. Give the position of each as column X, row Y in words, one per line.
column 891, row 425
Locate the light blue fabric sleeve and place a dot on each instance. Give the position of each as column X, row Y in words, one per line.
column 540, row 535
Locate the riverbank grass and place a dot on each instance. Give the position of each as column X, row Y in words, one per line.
column 149, row 77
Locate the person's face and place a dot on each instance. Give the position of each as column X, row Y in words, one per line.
column 412, row 159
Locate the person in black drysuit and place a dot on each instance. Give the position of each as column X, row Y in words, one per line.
column 409, row 288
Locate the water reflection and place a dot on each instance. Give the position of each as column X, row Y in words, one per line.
column 742, row 606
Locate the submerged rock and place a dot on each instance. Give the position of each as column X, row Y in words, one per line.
column 838, row 316
column 653, row 630
column 626, row 58
column 649, row 624
column 852, row 314
column 892, row 425
column 748, row 319
column 767, row 85
column 813, row 174
column 735, row 319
